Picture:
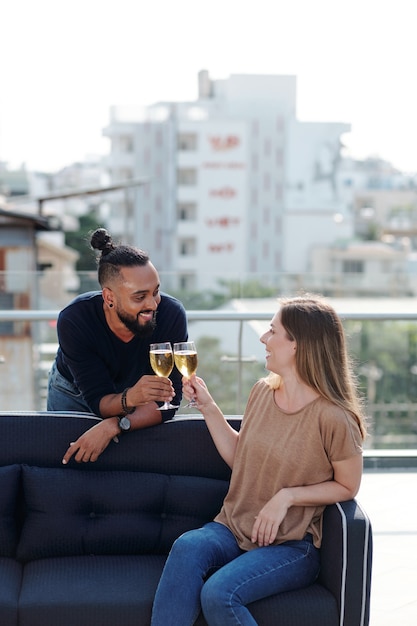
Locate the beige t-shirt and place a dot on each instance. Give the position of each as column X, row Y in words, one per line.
column 278, row 449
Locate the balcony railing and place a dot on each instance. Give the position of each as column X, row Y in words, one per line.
column 383, row 415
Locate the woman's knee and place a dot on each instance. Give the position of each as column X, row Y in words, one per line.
column 187, row 544
column 213, row 594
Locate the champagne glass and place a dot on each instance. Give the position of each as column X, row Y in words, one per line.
column 185, row 355
column 162, row 362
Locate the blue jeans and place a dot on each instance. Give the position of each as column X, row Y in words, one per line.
column 63, row 395
column 206, row 570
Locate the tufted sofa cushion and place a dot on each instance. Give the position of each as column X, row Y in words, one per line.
column 69, row 513
column 9, row 489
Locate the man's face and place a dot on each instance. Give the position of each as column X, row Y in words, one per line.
column 136, row 298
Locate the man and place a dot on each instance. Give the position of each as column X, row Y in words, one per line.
column 102, row 364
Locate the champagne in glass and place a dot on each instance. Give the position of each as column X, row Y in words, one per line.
column 185, row 355
column 162, row 362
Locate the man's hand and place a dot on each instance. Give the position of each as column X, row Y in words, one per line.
column 91, row 444
column 151, row 389
column 144, row 395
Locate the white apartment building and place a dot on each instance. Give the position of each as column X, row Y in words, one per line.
column 239, row 189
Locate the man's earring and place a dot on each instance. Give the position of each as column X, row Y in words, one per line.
column 111, row 305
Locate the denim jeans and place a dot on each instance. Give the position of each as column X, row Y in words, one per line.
column 63, row 395
column 207, row 570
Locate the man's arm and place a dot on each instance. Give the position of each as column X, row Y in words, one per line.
column 142, row 397
column 149, row 388
column 89, row 446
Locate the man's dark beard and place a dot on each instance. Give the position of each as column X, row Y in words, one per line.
column 132, row 324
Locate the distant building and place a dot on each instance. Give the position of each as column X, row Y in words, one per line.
column 34, row 274
column 239, row 188
column 361, row 268
column 23, row 188
column 58, row 279
column 13, row 182
column 18, row 290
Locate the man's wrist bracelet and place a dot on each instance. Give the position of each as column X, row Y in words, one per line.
column 125, row 408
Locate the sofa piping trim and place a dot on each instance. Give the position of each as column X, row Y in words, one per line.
column 365, row 565
column 344, row 564
column 344, row 567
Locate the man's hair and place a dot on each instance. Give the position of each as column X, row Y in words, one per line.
column 114, row 257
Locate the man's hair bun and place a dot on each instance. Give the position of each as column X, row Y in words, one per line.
column 101, row 240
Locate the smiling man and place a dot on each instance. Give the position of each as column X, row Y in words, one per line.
column 102, row 364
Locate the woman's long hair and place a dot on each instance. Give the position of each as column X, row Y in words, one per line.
column 322, row 359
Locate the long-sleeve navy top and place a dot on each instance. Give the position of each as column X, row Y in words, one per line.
column 97, row 362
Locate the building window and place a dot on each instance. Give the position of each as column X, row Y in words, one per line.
column 125, row 173
column 187, row 141
column 187, row 176
column 129, row 207
column 187, row 246
column 187, row 282
column 6, row 302
column 187, row 211
column 278, row 226
column 278, row 192
column 126, row 143
column 159, row 139
column 352, row 266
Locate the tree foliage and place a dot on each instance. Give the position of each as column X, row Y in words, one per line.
column 80, row 240
column 392, row 347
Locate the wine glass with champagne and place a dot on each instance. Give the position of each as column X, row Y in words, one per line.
column 185, row 356
column 162, row 363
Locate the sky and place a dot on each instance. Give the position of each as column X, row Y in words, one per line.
column 64, row 64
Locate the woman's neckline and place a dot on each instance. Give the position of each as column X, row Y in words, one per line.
column 296, row 410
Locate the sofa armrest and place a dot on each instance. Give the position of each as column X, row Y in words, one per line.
column 346, row 560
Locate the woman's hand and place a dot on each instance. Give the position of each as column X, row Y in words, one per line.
column 344, row 486
column 224, row 436
column 269, row 518
column 195, row 388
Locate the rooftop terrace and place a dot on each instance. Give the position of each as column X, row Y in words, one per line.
column 390, row 499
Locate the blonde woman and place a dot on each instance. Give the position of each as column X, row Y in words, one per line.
column 298, row 450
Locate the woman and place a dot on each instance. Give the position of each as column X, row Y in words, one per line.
column 299, row 449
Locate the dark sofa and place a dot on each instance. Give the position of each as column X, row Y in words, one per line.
column 84, row 544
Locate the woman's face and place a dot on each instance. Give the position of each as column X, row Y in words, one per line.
column 280, row 348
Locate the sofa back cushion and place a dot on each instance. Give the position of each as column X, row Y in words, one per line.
column 9, row 489
column 73, row 512
column 182, row 446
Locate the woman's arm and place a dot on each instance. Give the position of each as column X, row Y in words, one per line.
column 225, row 437
column 344, row 486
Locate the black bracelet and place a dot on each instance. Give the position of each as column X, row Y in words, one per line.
column 125, row 408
